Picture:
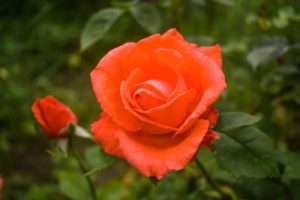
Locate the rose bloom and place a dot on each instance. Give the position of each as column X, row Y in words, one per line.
column 157, row 97
column 53, row 116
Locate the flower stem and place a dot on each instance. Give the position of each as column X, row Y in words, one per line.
column 82, row 165
column 210, row 180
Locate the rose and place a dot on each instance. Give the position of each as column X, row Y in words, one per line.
column 156, row 95
column 53, row 116
column 1, row 184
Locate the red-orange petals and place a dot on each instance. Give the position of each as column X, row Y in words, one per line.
column 212, row 115
column 106, row 79
column 209, row 138
column 213, row 52
column 151, row 155
column 53, row 116
column 1, row 184
column 157, row 96
column 104, row 131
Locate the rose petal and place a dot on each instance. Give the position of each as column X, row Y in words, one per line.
column 146, row 99
column 104, row 130
column 106, row 80
column 154, row 155
column 211, row 82
column 138, row 81
column 37, row 111
column 214, row 52
column 174, row 111
column 180, row 88
column 144, row 123
column 160, row 55
column 209, row 138
column 212, row 115
column 168, row 57
column 151, row 155
column 173, row 33
column 53, row 116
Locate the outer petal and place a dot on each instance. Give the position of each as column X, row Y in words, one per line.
column 212, row 115
column 173, row 33
column 209, row 138
column 52, row 115
column 154, row 155
column 37, row 111
column 104, row 131
column 214, row 52
column 1, row 184
column 151, row 155
column 212, row 84
column 106, row 80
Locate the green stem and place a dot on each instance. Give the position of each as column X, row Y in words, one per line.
column 82, row 165
column 209, row 179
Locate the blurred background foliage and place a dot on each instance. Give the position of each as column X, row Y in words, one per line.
column 49, row 47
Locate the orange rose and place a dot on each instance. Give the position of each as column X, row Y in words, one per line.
column 1, row 183
column 53, row 116
column 156, row 95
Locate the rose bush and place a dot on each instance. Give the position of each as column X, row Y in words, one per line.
column 53, row 116
column 157, row 97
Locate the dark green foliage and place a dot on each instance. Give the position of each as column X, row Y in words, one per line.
column 247, row 152
column 98, row 25
column 232, row 120
column 147, row 16
column 97, row 159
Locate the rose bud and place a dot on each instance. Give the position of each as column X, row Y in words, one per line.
column 1, row 183
column 157, row 96
column 53, row 116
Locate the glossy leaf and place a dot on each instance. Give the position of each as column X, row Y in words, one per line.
column 232, row 120
column 73, row 185
column 97, row 159
column 98, row 25
column 147, row 16
column 246, row 152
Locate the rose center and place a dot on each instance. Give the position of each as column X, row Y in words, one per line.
column 151, row 93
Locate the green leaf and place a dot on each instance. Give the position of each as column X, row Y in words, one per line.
column 232, row 120
column 246, row 152
column 147, row 16
column 98, row 25
column 97, row 159
column 291, row 163
column 267, row 52
column 73, row 185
